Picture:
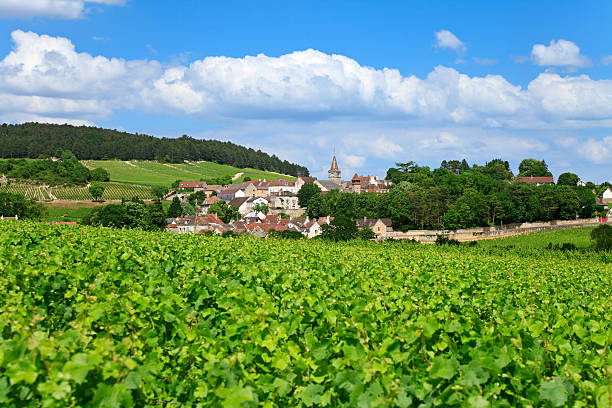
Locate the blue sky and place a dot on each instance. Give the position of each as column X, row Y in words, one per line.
column 378, row 81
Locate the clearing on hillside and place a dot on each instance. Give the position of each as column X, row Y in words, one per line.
column 164, row 174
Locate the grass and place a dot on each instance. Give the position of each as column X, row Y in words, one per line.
column 152, row 173
column 75, row 212
column 540, row 240
column 112, row 191
column 30, row 192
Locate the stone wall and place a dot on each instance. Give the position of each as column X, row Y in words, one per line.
column 498, row 231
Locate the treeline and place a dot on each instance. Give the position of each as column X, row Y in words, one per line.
column 34, row 140
column 13, row 204
column 459, row 196
column 132, row 213
column 65, row 169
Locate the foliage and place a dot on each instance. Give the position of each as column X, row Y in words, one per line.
column 100, row 174
column 602, row 235
column 129, row 214
column 307, row 191
column 134, row 319
column 159, row 191
column 175, row 210
column 534, row 168
column 568, row 179
column 13, row 204
column 444, row 240
column 340, row 228
column 457, row 196
column 66, row 170
column 366, row 233
column 96, row 190
column 261, row 207
column 286, row 234
column 224, row 212
column 36, row 139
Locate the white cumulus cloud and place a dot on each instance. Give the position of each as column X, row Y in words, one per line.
column 67, row 9
column 560, row 53
column 446, row 39
column 597, row 151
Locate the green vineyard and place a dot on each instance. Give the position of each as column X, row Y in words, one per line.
column 30, row 192
column 125, row 318
column 112, row 191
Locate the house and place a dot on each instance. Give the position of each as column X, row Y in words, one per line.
column 246, row 204
column 212, row 190
column 303, row 180
column 380, row 226
column 326, row 185
column 369, row 184
column 281, row 185
column 3, row 218
column 538, row 181
column 237, row 191
column 195, row 185
column 193, row 224
column 285, row 201
column 207, row 203
column 581, row 183
column 606, row 197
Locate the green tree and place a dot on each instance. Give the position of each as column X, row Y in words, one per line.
column 568, row 179
column 366, row 233
column 307, row 191
column 96, row 190
column 159, row 191
column 187, row 209
column 340, row 229
column 99, row 174
column 13, row 204
column 602, row 235
column 156, row 216
column 260, row 207
column 175, row 209
column 534, row 168
column 224, row 212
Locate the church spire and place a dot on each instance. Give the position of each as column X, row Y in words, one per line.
column 334, row 165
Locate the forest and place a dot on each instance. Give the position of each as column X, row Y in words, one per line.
column 65, row 169
column 459, row 196
column 34, row 140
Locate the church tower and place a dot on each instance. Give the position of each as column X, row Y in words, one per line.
column 334, row 173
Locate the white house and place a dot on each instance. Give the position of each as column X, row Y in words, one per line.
column 606, row 197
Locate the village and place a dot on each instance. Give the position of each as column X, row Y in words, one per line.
column 273, row 205
column 280, row 200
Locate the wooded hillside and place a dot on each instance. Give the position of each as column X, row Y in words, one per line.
column 34, row 140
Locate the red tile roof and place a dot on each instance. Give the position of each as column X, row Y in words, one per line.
column 192, row 184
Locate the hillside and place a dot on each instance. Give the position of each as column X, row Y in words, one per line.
column 133, row 318
column 153, row 173
column 33, row 140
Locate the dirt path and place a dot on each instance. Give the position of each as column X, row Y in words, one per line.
column 237, row 176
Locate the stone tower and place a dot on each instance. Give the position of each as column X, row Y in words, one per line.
column 334, row 173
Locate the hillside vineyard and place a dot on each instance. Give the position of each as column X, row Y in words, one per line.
column 101, row 317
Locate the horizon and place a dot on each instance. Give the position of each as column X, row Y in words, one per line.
column 377, row 84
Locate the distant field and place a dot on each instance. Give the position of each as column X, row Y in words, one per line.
column 112, row 191
column 30, row 192
column 163, row 174
column 540, row 240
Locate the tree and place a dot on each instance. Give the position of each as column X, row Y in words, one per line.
column 366, row 233
column 307, row 191
column 156, row 216
column 534, row 168
column 159, row 191
column 567, row 179
column 13, row 204
column 175, row 209
column 99, row 174
column 602, row 236
column 224, row 212
column 340, row 229
column 96, row 190
column 187, row 209
column 261, row 207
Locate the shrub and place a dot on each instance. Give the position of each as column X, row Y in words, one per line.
column 602, row 236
